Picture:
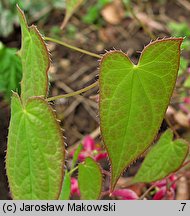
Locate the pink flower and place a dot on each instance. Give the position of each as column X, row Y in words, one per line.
column 163, row 182
column 125, row 194
column 89, row 144
column 74, row 187
column 172, row 179
column 162, row 192
column 186, row 100
column 90, row 149
column 100, row 156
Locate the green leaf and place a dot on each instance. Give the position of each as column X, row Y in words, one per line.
column 35, row 152
column 183, row 66
column 10, row 71
column 76, row 154
column 93, row 15
column 71, row 7
column 66, row 187
column 133, row 100
column 90, row 180
column 187, row 82
column 35, row 61
column 163, row 159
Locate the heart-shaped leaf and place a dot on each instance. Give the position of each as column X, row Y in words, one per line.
column 134, row 98
column 35, row 152
column 163, row 159
column 90, row 180
column 35, row 61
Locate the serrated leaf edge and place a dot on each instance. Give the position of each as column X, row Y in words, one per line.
column 33, row 27
column 100, row 170
column 59, row 131
column 113, row 184
column 188, row 148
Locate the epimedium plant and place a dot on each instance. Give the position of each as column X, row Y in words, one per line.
column 132, row 103
column 11, row 71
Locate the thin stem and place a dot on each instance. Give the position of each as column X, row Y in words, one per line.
column 167, row 184
column 171, row 126
column 73, row 93
column 177, row 179
column 185, row 164
column 147, row 191
column 72, row 47
column 73, row 170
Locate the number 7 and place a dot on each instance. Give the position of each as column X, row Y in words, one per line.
column 184, row 204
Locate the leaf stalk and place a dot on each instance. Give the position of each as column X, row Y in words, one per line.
column 72, row 47
column 73, row 93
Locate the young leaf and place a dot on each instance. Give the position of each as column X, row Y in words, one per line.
column 10, row 71
column 66, row 187
column 71, row 7
column 164, row 158
column 187, row 82
column 134, row 98
column 76, row 154
column 35, row 61
column 183, row 66
column 35, row 152
column 90, row 180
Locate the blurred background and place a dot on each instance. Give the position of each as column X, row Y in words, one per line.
column 97, row 25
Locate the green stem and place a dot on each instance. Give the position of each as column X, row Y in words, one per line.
column 72, row 47
column 73, row 93
column 171, row 127
column 147, row 192
column 72, row 171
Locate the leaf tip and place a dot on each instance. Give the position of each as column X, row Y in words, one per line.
column 21, row 15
